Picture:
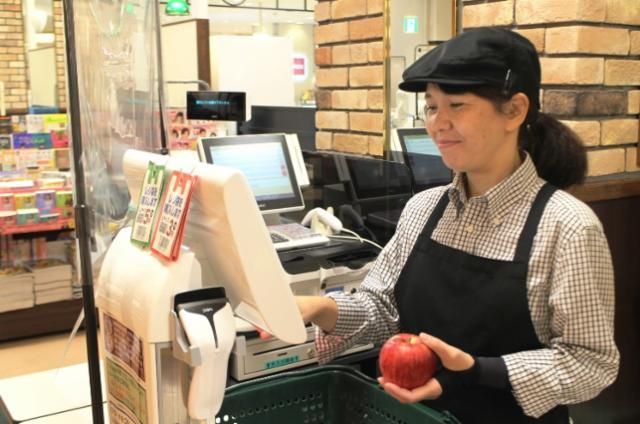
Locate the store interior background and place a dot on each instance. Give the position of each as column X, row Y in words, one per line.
column 592, row 85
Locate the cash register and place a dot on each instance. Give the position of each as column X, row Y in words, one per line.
column 314, row 263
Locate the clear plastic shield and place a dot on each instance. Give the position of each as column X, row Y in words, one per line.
column 117, row 62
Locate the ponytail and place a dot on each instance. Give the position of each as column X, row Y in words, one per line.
column 557, row 152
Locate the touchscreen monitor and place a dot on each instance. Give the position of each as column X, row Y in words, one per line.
column 265, row 161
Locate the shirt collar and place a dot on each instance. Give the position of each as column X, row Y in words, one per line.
column 503, row 196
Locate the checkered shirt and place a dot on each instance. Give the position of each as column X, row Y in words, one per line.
column 570, row 285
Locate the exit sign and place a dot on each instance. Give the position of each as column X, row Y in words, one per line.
column 410, row 24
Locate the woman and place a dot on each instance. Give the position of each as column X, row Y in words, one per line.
column 507, row 278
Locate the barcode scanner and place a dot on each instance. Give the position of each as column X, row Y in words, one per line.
column 208, row 322
column 317, row 217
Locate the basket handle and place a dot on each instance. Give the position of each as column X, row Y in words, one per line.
column 301, row 373
column 447, row 417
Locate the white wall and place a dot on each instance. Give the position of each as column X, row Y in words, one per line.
column 440, row 20
column 302, row 37
column 42, row 80
column 434, row 24
column 403, row 44
column 180, row 60
column 261, row 66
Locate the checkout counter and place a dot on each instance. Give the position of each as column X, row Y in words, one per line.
column 154, row 368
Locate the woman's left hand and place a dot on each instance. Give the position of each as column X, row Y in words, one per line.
column 451, row 358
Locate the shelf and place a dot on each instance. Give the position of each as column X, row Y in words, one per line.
column 35, row 228
column 49, row 318
column 32, row 189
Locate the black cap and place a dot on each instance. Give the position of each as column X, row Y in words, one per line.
column 484, row 56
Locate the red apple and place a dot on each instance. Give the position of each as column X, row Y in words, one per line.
column 406, row 361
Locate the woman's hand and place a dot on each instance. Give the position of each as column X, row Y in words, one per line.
column 319, row 310
column 451, row 358
column 431, row 390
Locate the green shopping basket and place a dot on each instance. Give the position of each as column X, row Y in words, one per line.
column 330, row 394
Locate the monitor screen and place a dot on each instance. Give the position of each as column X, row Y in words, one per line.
column 299, row 120
column 264, row 159
column 377, row 179
column 423, row 158
column 216, row 105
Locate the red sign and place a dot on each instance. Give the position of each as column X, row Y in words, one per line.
column 299, row 66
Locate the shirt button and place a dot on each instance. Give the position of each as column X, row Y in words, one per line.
column 469, row 228
column 497, row 221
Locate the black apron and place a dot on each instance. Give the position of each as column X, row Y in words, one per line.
column 476, row 304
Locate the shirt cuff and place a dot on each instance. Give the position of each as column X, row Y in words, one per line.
column 350, row 316
column 492, row 372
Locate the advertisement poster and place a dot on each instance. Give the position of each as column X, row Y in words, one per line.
column 124, row 370
column 184, row 133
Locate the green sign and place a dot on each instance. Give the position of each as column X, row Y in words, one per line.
column 410, row 24
column 282, row 362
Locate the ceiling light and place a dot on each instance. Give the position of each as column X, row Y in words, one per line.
column 177, row 8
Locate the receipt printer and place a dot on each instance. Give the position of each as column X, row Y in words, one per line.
column 204, row 335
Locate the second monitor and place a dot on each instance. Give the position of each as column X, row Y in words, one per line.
column 264, row 159
column 423, row 158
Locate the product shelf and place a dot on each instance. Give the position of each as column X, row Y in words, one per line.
column 6, row 230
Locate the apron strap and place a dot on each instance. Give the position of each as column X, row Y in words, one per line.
column 525, row 242
column 436, row 214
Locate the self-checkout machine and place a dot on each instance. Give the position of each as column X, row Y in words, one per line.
column 276, row 172
column 168, row 326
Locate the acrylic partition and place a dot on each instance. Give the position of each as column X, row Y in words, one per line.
column 114, row 99
column 115, row 47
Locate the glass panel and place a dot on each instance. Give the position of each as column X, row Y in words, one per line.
column 288, row 33
column 416, row 27
column 115, row 49
column 366, row 194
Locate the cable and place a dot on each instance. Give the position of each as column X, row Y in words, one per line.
column 347, row 211
column 354, row 233
column 357, row 236
column 360, row 239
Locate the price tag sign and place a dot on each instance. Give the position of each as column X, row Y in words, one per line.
column 168, row 233
column 148, row 202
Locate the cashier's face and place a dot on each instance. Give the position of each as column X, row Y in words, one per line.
column 471, row 134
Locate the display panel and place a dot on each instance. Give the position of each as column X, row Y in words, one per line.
column 423, row 158
column 375, row 178
column 216, row 105
column 264, row 160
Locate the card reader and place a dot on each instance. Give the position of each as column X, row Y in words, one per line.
column 208, row 323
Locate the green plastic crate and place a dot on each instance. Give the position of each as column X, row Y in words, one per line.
column 321, row 395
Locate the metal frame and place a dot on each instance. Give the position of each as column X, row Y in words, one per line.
column 82, row 213
column 82, row 209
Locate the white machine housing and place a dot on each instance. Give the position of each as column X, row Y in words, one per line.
column 253, row 357
column 228, row 245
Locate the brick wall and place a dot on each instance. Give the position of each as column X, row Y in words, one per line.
column 13, row 59
column 590, row 55
column 61, row 64
column 350, row 75
column 13, row 55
